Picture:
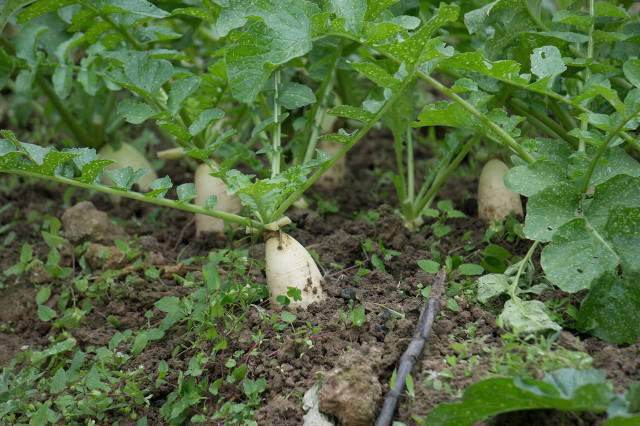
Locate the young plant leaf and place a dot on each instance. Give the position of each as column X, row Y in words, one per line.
column 564, row 389
column 611, row 311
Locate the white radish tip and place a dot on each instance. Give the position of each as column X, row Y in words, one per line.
column 289, row 264
column 206, row 186
column 495, row 200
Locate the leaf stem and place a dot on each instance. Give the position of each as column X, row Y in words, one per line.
column 277, row 135
column 318, row 111
column 191, row 208
column 360, row 133
column 411, row 192
column 523, row 262
column 119, row 28
column 584, row 125
column 603, row 147
column 503, row 136
column 542, row 121
column 78, row 132
column 565, row 118
column 428, row 197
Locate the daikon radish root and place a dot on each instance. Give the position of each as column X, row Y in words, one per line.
column 206, row 186
column 128, row 156
column 289, row 264
column 495, row 200
column 334, row 177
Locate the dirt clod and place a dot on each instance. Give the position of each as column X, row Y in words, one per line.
column 85, row 221
column 100, row 256
column 351, row 391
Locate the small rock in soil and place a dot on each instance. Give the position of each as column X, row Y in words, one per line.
column 99, row 256
column 348, row 293
column 351, row 391
column 84, row 221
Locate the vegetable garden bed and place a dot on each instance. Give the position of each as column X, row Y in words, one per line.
column 311, row 168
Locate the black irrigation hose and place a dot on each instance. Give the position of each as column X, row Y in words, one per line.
column 413, row 351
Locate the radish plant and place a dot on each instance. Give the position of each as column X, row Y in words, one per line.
column 141, row 72
column 557, row 88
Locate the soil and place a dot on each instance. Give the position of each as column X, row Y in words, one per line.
column 290, row 365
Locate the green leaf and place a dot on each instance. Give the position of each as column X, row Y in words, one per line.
column 180, row 91
column 549, row 209
column 296, row 95
column 577, row 256
column 45, row 313
column 204, row 119
column 168, row 304
column 176, row 129
column 62, row 80
column 276, row 31
column 58, row 381
column 429, row 266
column 611, row 310
column 8, row 8
column 619, row 191
column 376, row 7
column 476, row 62
column 492, row 285
column 525, row 317
column 43, row 295
column 159, row 187
column 135, row 112
column 125, row 178
column 623, row 229
column 614, row 162
column 609, row 10
column 287, row 317
column 410, row 50
column 186, row 192
column 42, row 7
column 530, row 179
column 564, row 389
column 136, row 7
column 350, row 12
column 376, row 74
column 443, row 113
column 351, row 112
column 470, row 269
column 146, row 73
column 211, row 203
column 631, row 70
column 546, row 61
column 140, row 343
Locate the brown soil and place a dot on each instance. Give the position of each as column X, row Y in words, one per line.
column 290, row 365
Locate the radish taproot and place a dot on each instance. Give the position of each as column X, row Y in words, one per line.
column 206, row 187
column 495, row 200
column 128, row 156
column 334, row 177
column 289, row 264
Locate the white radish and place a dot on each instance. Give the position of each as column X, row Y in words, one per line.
column 495, row 200
column 334, row 177
column 206, row 186
column 289, row 264
column 128, row 156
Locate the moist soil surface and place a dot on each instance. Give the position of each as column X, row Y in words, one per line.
column 391, row 297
